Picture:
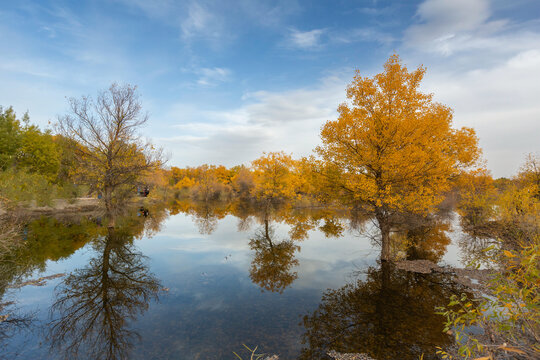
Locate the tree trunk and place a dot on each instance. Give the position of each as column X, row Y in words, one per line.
column 107, row 197
column 384, row 227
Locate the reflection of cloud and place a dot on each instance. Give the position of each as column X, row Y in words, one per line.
column 320, row 266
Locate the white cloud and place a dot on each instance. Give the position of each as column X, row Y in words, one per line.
column 368, row 34
column 267, row 121
column 320, row 38
column 485, row 68
column 306, row 39
column 213, row 76
column 499, row 102
column 200, row 22
column 444, row 25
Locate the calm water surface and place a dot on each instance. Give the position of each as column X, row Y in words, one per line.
column 197, row 282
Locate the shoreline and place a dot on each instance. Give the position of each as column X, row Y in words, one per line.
column 63, row 207
column 58, row 207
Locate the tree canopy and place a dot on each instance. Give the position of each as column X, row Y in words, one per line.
column 392, row 148
column 106, row 143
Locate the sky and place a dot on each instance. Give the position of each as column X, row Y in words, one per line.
column 225, row 81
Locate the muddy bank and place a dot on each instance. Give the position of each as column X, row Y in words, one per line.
column 58, row 206
column 67, row 208
column 336, row 356
column 472, row 278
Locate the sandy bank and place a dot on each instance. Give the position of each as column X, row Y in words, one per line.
column 58, row 206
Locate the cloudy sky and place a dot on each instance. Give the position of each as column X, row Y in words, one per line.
column 224, row 81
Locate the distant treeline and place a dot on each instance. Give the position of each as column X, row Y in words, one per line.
column 274, row 176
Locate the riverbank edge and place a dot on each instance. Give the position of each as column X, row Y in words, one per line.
column 61, row 207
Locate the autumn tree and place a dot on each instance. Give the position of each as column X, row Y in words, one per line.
column 274, row 177
column 392, row 148
column 111, row 154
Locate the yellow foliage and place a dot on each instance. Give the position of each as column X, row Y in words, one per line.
column 185, row 183
column 518, row 207
column 273, row 176
column 477, row 196
column 395, row 147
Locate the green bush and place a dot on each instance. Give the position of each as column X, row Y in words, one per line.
column 21, row 186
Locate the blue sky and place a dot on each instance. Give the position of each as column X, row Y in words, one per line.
column 224, row 81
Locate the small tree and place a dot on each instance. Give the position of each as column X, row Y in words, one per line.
column 274, row 177
column 393, row 148
column 111, row 154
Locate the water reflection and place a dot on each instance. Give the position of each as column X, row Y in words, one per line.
column 272, row 264
column 426, row 238
column 12, row 322
column 213, row 306
column 39, row 241
column 389, row 315
column 94, row 304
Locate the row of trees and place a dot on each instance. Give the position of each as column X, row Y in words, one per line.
column 274, row 177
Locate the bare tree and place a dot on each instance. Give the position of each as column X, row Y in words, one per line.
column 111, row 153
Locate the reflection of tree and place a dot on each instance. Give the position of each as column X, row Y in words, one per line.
column 95, row 303
column 390, row 315
column 39, row 241
column 273, row 261
column 205, row 219
column 416, row 237
column 473, row 250
column 205, row 214
column 332, row 227
column 12, row 321
column 428, row 241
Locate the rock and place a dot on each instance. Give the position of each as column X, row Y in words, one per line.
column 350, row 356
column 419, row 266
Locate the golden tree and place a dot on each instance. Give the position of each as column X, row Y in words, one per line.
column 274, row 176
column 392, row 147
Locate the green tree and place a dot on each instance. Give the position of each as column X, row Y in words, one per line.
column 39, row 153
column 10, row 137
column 25, row 146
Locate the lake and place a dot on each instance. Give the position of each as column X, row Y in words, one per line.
column 198, row 281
